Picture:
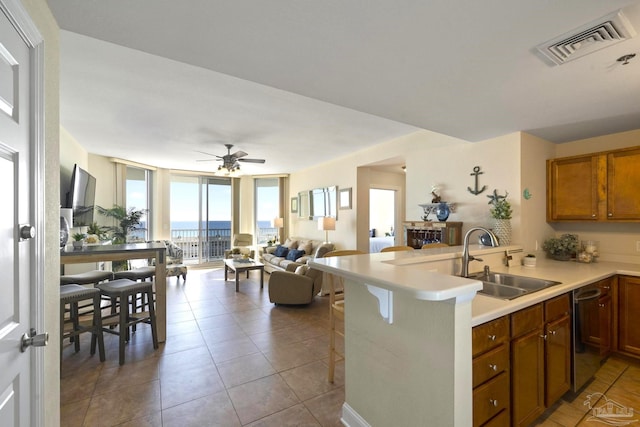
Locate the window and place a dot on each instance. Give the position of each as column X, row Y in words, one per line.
column 200, row 216
column 267, row 203
column 138, row 190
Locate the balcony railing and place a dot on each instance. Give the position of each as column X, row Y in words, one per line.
column 210, row 246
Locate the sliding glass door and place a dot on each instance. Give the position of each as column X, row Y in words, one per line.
column 201, row 216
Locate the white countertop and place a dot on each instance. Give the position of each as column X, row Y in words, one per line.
column 410, row 272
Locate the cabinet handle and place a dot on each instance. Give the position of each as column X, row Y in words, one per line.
column 600, row 305
column 492, row 337
column 610, row 214
column 593, row 215
column 493, row 367
column 606, row 287
column 551, row 332
column 493, row 402
column 544, row 337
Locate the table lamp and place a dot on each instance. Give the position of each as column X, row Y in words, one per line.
column 325, row 224
column 279, row 224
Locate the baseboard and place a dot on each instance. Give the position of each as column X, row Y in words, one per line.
column 351, row 418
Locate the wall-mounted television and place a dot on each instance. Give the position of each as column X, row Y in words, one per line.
column 81, row 196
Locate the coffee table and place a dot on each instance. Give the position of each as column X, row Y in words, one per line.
column 240, row 265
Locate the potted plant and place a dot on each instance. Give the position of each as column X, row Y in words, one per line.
column 501, row 213
column 128, row 220
column 529, row 260
column 78, row 240
column 97, row 230
column 561, row 248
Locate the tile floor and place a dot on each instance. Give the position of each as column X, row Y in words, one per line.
column 235, row 359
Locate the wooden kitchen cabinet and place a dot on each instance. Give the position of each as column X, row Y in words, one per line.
column 594, row 187
column 540, row 358
column 490, row 349
column 527, row 365
column 557, row 348
column 629, row 315
column 597, row 326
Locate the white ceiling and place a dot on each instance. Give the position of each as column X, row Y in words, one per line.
column 301, row 82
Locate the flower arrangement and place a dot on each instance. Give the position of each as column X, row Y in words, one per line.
column 561, row 247
column 501, row 208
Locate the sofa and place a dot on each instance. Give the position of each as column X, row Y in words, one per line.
column 288, row 256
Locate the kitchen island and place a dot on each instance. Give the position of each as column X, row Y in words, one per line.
column 408, row 329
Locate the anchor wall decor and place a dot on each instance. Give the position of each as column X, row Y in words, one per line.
column 476, row 173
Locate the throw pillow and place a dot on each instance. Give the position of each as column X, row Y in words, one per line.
column 294, row 254
column 305, row 245
column 302, row 269
column 291, row 244
column 281, row 251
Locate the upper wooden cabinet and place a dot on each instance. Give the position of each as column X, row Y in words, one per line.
column 594, row 187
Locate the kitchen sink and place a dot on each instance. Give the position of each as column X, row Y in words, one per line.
column 509, row 286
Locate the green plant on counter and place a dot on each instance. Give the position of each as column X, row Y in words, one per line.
column 78, row 237
column 566, row 244
column 98, row 230
column 501, row 208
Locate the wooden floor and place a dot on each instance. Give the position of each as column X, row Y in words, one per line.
column 235, row 359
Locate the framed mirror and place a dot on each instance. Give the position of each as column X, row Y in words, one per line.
column 304, row 205
column 324, row 202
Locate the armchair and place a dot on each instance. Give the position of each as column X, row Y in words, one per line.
column 243, row 242
column 299, row 287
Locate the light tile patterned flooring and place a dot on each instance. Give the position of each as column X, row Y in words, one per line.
column 230, row 359
column 235, row 359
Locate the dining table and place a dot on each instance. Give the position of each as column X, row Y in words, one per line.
column 124, row 252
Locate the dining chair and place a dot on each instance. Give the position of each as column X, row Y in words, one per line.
column 336, row 309
column 434, row 245
column 396, row 248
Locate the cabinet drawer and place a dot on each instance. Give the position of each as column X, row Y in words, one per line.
column 490, row 364
column 605, row 286
column 556, row 308
column 490, row 335
column 526, row 320
column 490, row 398
column 500, row 420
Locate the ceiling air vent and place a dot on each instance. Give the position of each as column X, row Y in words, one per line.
column 587, row 39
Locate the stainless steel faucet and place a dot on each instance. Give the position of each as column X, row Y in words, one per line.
column 465, row 250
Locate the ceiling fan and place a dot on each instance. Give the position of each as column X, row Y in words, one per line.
column 231, row 162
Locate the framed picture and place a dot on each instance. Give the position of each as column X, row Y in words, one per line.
column 344, row 198
column 294, row 205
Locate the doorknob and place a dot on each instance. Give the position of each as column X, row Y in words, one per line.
column 31, row 339
column 27, row 231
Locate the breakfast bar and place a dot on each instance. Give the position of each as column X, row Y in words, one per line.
column 157, row 250
column 408, row 328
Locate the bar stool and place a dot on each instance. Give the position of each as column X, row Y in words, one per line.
column 89, row 278
column 140, row 273
column 123, row 294
column 72, row 295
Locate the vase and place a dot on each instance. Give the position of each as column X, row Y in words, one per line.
column 562, row 256
column 442, row 211
column 502, row 230
column 64, row 232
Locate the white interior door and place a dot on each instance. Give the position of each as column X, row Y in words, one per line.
column 17, row 253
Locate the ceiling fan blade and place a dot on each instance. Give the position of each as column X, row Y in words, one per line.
column 207, row 160
column 239, row 154
column 208, row 154
column 251, row 160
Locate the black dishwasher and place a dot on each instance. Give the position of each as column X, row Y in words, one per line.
column 587, row 352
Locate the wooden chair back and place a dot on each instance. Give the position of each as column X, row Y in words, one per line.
column 396, row 248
